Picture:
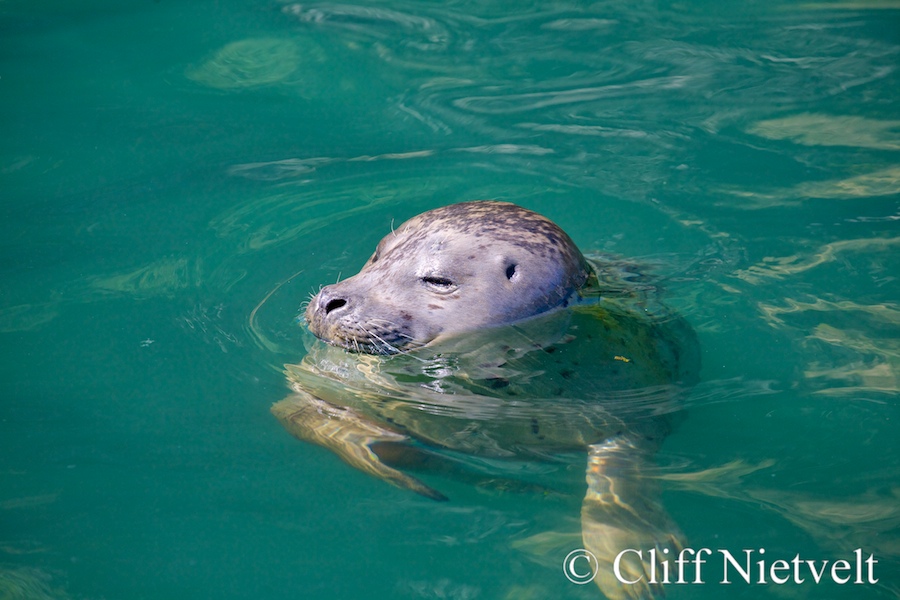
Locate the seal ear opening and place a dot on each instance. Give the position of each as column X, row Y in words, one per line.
column 511, row 271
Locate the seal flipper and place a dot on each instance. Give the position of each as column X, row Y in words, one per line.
column 622, row 511
column 348, row 435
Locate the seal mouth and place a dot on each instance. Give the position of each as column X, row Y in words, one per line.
column 375, row 337
column 366, row 346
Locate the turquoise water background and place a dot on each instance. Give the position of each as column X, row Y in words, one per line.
column 176, row 178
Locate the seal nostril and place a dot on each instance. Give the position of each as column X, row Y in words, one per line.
column 511, row 271
column 334, row 304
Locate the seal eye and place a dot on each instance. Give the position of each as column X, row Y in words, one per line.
column 442, row 284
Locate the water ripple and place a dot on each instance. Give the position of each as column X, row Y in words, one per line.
column 421, row 33
column 540, row 100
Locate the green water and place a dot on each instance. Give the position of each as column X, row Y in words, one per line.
column 177, row 177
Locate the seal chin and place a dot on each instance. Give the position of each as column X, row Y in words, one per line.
column 373, row 345
column 379, row 337
column 364, row 346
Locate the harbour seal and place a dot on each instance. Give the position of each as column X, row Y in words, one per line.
column 481, row 329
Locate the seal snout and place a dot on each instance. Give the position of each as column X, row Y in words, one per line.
column 344, row 316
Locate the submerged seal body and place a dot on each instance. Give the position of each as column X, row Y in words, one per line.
column 451, row 270
column 481, row 328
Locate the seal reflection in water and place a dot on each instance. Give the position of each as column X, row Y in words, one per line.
column 479, row 328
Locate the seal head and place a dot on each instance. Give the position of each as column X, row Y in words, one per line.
column 458, row 268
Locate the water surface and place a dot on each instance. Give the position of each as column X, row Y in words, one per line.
column 177, row 178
